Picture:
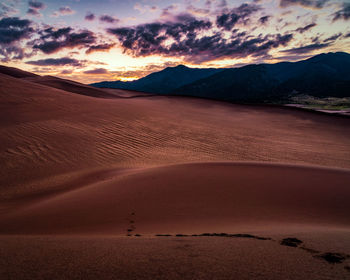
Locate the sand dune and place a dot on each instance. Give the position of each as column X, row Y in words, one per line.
column 76, row 165
column 192, row 198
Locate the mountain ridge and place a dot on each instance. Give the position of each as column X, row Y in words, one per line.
column 326, row 74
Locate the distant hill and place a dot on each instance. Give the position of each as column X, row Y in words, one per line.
column 55, row 82
column 15, row 72
column 320, row 76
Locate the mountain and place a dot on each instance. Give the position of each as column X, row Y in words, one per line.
column 320, row 76
column 164, row 81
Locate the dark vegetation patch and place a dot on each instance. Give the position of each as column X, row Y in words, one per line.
column 164, row 235
column 291, row 242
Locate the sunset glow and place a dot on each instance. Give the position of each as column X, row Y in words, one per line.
column 126, row 40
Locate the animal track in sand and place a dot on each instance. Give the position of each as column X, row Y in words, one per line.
column 132, row 226
column 330, row 257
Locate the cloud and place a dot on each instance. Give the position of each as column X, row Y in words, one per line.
column 36, row 4
column 343, row 13
column 194, row 39
column 12, row 31
column 35, row 7
column 264, row 19
column 237, row 15
column 305, row 28
column 8, row 9
column 145, row 8
column 53, row 40
column 63, row 61
column 333, row 38
column 63, row 11
column 108, row 19
column 306, row 49
column 66, row 72
column 99, row 48
column 318, row 4
column 167, row 11
column 90, row 16
column 96, row 71
column 197, row 11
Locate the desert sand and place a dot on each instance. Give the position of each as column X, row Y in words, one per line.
column 113, row 184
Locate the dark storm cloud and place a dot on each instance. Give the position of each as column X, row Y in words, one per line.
column 307, row 48
column 182, row 38
column 108, row 19
column 264, row 19
column 343, row 13
column 318, row 4
column 99, row 48
column 13, row 29
column 90, row 16
column 53, row 40
column 96, row 71
column 237, row 15
column 149, row 38
column 56, row 62
column 305, row 28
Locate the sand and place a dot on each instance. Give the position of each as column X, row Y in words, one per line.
column 81, row 168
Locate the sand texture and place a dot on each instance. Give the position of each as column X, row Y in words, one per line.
column 113, row 184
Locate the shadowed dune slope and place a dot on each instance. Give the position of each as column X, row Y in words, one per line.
column 192, row 198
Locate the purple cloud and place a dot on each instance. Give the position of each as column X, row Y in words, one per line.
column 152, row 38
column 305, row 28
column 306, row 49
column 264, row 19
column 237, row 15
column 53, row 40
column 63, row 61
column 343, row 13
column 99, row 48
column 318, row 4
column 96, row 71
column 108, row 19
column 90, row 16
column 63, row 11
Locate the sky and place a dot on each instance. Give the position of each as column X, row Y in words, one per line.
column 90, row 41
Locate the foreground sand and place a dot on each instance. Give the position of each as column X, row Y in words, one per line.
column 79, row 173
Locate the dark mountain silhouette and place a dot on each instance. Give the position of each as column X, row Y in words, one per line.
column 164, row 81
column 320, row 76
